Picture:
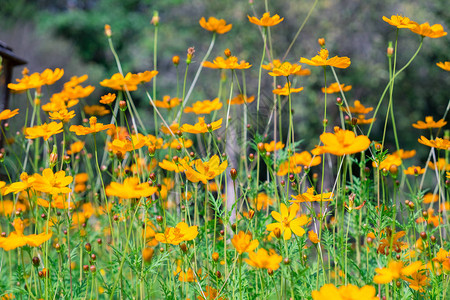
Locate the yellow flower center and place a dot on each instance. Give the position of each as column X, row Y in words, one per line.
column 323, row 53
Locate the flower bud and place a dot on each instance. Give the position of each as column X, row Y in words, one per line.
column 423, row 235
column 190, row 55
column 251, row 157
column 339, row 101
column 36, row 261
column 251, row 214
column 227, row 52
column 390, row 50
column 176, row 60
column 93, row 269
column 88, row 247
column 233, row 174
column 215, row 256
column 123, row 105
column 159, row 219
column 183, row 247
column 260, row 147
column 108, row 30
column 270, row 272
column 321, row 42
column 277, row 232
column 218, row 275
column 155, row 19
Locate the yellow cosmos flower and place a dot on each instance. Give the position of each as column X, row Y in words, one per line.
column 399, row 21
column 7, row 207
column 429, row 123
column 286, row 90
column 129, row 82
column 18, row 239
column 58, row 201
column 63, row 115
column 270, row 147
column 167, row 102
column 323, row 60
column 403, row 154
column 96, row 110
column 215, row 25
column 230, row 63
column 175, row 143
column 177, row 167
column 444, row 65
column 37, row 80
column 201, row 126
column 108, row 99
column 52, row 183
column 45, row 130
column 271, row 65
column 204, row 171
column 93, row 128
column 286, row 69
column 264, row 260
column 243, row 242
column 336, row 88
column 204, row 107
column 345, row 292
column 287, row 221
column 172, row 128
column 7, row 114
column 266, row 20
column 130, row 188
column 25, row 183
column 241, row 99
column 435, row 31
column 342, row 142
column 176, row 235
column 310, row 197
column 437, row 143
column 394, row 270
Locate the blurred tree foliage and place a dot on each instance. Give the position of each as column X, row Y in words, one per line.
column 351, row 28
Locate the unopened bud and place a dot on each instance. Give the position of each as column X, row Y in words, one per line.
column 227, row 52
column 123, row 105
column 176, row 60
column 107, row 30
column 233, row 174
column 321, row 42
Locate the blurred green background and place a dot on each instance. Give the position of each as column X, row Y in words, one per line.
column 70, row 34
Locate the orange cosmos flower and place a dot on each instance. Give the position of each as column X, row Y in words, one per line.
column 336, row 88
column 230, row 63
column 93, row 128
column 57, row 202
column 388, row 161
column 287, row 221
column 262, row 201
column 361, row 120
column 345, row 292
column 266, row 20
column 310, row 197
column 167, row 102
column 182, row 142
column 174, row 166
column 176, row 235
column 288, row 167
column 444, row 65
column 435, row 31
column 437, row 143
column 108, row 99
column 215, row 25
column 323, row 60
column 130, row 188
column 313, row 237
column 204, row 107
column 394, row 270
column 286, row 90
column 341, row 142
column 75, row 148
column 358, row 108
column 386, row 242
column 45, row 130
column 241, row 99
column 287, row 69
column 403, row 154
column 8, row 207
column 36, row 80
column 270, row 147
column 271, row 65
column 429, row 123
column 52, row 183
column 25, row 183
column 201, row 126
column 210, row 294
column 63, row 115
column 414, row 170
column 204, row 170
column 18, row 239
column 440, row 165
column 399, row 21
column 77, row 91
column 128, row 144
column 129, row 82
column 7, row 113
column 293, row 164
column 430, row 198
column 431, row 219
column 243, row 242
column 96, row 110
column 264, row 260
